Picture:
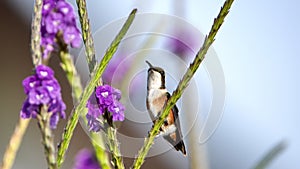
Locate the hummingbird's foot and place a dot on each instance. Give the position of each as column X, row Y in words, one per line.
column 159, row 134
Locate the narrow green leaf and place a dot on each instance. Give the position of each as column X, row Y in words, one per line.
column 271, row 155
column 87, row 34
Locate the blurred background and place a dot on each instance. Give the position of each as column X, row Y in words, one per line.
column 257, row 48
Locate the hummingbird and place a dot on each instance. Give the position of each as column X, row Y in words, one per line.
column 157, row 97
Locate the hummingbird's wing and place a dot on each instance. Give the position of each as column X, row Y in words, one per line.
column 149, row 111
column 175, row 138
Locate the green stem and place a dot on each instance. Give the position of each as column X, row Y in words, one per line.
column 90, row 53
column 47, row 137
column 72, row 122
column 114, row 147
column 74, row 80
column 71, row 72
column 87, row 35
column 274, row 152
column 101, row 154
column 183, row 83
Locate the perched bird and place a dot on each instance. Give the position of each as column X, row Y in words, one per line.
column 157, row 96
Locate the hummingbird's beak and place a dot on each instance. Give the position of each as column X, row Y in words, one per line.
column 150, row 65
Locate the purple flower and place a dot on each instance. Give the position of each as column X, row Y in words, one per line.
column 106, row 99
column 94, row 112
column 93, row 123
column 44, row 72
column 52, row 87
column 105, row 95
column 116, row 94
column 47, row 6
column 29, row 83
column 42, row 89
column 38, row 96
column 58, row 16
column 86, row 159
column 29, row 110
column 54, row 119
column 72, row 36
column 117, row 110
column 94, row 109
column 47, row 43
column 54, row 22
column 67, row 10
column 57, row 106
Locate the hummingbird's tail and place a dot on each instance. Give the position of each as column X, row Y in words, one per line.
column 180, row 146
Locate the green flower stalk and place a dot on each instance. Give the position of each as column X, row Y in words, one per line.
column 73, row 78
column 44, row 102
column 47, row 137
column 87, row 35
column 14, row 144
column 100, row 152
column 271, row 155
column 72, row 122
column 71, row 72
column 36, row 33
column 183, row 83
column 114, row 147
column 106, row 105
column 75, row 82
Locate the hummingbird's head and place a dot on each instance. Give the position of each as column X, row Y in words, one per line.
column 156, row 77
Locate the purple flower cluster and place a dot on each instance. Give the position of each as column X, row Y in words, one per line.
column 85, row 159
column 107, row 100
column 58, row 17
column 42, row 89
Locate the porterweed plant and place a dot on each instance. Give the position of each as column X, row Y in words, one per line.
column 99, row 104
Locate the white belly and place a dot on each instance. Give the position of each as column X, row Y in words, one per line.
column 153, row 95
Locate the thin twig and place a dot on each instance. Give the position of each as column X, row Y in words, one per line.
column 14, row 143
column 183, row 83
